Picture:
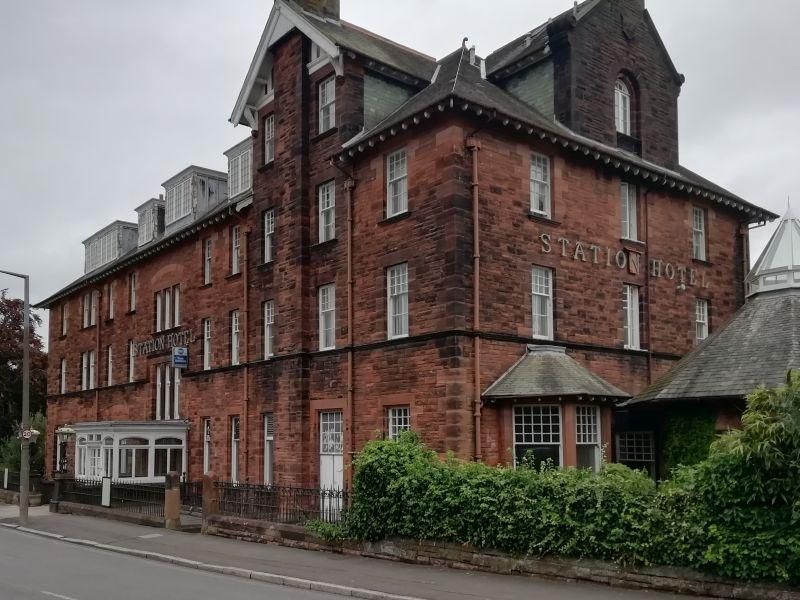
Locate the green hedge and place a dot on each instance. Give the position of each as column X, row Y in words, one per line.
column 736, row 514
column 688, row 435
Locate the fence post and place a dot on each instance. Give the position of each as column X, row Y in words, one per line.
column 172, row 501
column 210, row 498
column 5, row 479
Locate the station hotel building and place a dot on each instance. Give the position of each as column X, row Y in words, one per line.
column 493, row 251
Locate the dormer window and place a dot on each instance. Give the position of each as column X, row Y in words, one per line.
column 239, row 170
column 327, row 104
column 179, row 201
column 622, row 107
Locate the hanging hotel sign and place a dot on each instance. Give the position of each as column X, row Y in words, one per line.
column 164, row 343
column 180, row 357
column 624, row 259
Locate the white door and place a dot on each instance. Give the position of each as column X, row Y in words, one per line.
column 331, row 445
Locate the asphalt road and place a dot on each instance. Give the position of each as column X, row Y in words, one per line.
column 35, row 568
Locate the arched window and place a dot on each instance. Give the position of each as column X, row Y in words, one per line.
column 622, row 107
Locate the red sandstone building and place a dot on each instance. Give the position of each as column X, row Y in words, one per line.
column 492, row 251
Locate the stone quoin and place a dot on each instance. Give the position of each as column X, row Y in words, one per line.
column 492, row 251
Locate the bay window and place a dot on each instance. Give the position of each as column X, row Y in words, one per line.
column 587, row 437
column 537, row 434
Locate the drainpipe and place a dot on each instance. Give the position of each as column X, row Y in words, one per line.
column 647, row 286
column 98, row 321
column 474, row 146
column 349, row 184
column 245, row 358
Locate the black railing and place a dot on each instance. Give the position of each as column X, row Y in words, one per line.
column 281, row 504
column 141, row 498
column 13, row 481
column 192, row 494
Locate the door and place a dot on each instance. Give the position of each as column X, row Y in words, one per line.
column 331, row 464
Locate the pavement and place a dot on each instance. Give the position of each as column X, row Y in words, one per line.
column 324, row 571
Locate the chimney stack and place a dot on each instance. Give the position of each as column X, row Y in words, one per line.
column 324, row 8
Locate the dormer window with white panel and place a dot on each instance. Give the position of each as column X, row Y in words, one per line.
column 108, row 244
column 239, row 174
column 179, row 200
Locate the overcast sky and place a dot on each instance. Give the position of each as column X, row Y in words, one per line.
column 103, row 101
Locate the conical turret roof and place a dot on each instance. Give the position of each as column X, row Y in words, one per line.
column 778, row 267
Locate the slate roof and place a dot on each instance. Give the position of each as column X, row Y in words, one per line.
column 758, row 347
column 547, row 372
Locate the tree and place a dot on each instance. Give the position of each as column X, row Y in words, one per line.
column 11, row 336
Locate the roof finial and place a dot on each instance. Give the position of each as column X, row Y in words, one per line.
column 575, row 9
column 789, row 213
column 464, row 42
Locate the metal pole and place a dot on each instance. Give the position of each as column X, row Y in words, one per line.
column 25, row 467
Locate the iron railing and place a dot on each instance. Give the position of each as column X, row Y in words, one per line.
column 13, row 481
column 141, row 498
column 281, row 504
column 192, row 494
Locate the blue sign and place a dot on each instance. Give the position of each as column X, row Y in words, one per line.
column 180, row 357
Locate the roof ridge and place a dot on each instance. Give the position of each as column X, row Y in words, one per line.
column 387, row 40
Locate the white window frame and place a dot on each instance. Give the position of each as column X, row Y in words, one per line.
column 64, row 317
column 398, row 419
column 326, row 197
column 94, row 307
column 235, row 439
column 63, row 376
column 542, row 434
column 588, row 431
column 701, row 328
column 111, row 300
column 92, row 369
column 327, row 104
column 168, row 386
column 206, row 445
column 622, row 107
column 207, row 255
column 269, row 449
column 235, row 337
column 235, row 245
column 87, row 308
column 397, row 305
column 631, row 309
column 629, row 211
column 178, row 203
column 396, row 183
column 239, row 172
column 540, row 178
column 269, row 234
column 269, row 138
column 327, row 316
column 698, row 233
column 132, row 291
column 109, row 365
column 542, row 302
column 269, row 329
column 206, row 344
column 131, row 360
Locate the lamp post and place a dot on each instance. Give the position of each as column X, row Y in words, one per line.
column 25, row 463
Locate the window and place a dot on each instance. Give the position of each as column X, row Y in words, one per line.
column 630, row 229
column 399, row 420
column 537, row 434
column 397, row 300
column 269, row 139
column 206, row 445
column 327, row 104
column 622, row 107
column 168, row 308
column 636, row 449
column 134, row 455
column 587, row 437
column 108, row 456
column 701, row 319
column 234, row 449
column 90, row 301
column 206, row 344
column 269, row 328
column 396, row 183
column 269, row 234
column 94, row 307
column 207, row 261
column 168, row 456
column 540, row 185
column 178, row 201
column 110, row 297
column 235, row 337
column 89, row 461
column 239, row 179
column 327, row 317
column 64, row 317
column 88, row 366
column 132, row 291
column 168, row 385
column 63, row 372
column 331, row 438
column 326, row 194
column 131, row 360
column 630, row 307
column 102, row 250
column 109, row 365
column 316, row 52
column 698, row 233
column 146, row 225
column 542, row 302
column 80, row 459
column 235, row 243
column 269, row 454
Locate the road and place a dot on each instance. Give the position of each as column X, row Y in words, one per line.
column 36, row 568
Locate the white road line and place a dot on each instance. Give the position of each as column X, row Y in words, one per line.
column 149, row 536
column 53, row 595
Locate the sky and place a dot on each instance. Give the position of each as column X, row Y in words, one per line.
column 103, row 101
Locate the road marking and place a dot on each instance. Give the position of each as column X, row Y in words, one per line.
column 149, row 536
column 52, row 595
